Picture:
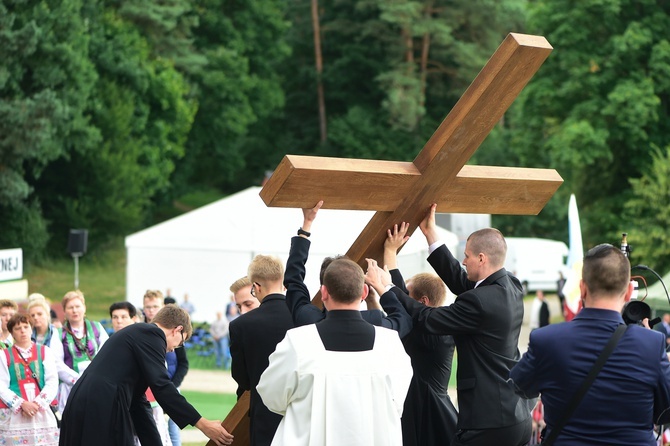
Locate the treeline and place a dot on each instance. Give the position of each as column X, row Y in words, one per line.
column 109, row 109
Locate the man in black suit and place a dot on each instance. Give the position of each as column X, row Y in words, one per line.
column 485, row 321
column 108, row 402
column 254, row 336
column 298, row 297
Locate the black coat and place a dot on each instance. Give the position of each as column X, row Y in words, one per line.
column 108, row 401
column 485, row 322
column 429, row 417
column 253, row 338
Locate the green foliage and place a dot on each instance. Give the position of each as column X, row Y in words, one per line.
column 141, row 111
column 45, row 82
column 598, row 104
column 649, row 212
column 243, row 43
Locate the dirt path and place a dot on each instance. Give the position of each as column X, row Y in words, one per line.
column 211, row 381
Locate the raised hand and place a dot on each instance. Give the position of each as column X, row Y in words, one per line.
column 309, row 215
column 428, row 226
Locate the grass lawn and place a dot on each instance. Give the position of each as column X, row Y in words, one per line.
column 213, row 406
column 102, row 279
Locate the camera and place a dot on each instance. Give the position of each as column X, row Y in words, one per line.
column 634, row 311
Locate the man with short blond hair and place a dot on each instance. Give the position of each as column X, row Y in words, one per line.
column 241, row 290
column 255, row 336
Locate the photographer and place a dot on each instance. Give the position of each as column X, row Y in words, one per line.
column 631, row 392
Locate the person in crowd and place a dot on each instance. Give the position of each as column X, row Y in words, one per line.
column 8, row 308
column 429, row 417
column 219, row 331
column 187, row 305
column 177, row 366
column 254, row 337
column 560, row 283
column 28, row 385
column 123, row 314
column 244, row 300
column 167, row 300
column 45, row 333
column 298, row 297
column 108, row 404
column 631, row 392
column 664, row 327
column 485, row 321
column 539, row 311
column 81, row 339
column 327, row 375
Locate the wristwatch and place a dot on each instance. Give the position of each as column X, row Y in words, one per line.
column 305, row 233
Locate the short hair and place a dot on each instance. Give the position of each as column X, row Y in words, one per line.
column 153, row 294
column 431, row 286
column 123, row 305
column 327, row 261
column 39, row 301
column 71, row 295
column 344, row 280
column 171, row 316
column 239, row 284
column 265, row 269
column 606, row 270
column 491, row 242
column 18, row 318
column 8, row 303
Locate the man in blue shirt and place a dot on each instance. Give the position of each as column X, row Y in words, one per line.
column 632, row 391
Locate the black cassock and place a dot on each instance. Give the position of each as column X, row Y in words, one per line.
column 429, row 417
column 108, row 403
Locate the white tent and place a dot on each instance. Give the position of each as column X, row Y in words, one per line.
column 203, row 251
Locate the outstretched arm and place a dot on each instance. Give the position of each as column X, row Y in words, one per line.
column 395, row 238
column 397, row 317
column 297, row 295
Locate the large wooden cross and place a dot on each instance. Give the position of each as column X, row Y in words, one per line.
column 403, row 191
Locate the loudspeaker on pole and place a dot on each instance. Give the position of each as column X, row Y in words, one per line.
column 77, row 242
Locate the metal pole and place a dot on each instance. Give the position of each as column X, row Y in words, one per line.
column 76, row 272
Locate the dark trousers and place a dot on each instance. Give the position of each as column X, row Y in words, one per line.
column 516, row 435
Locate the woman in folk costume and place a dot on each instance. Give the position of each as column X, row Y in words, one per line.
column 28, row 385
column 45, row 333
column 81, row 339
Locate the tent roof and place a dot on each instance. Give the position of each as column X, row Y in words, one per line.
column 239, row 222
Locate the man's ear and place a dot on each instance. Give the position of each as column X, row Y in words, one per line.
column 629, row 292
column 424, row 300
column 366, row 292
column 324, row 293
column 582, row 289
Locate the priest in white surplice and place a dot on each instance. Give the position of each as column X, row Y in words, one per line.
column 341, row 381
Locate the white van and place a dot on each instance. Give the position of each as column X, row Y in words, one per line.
column 536, row 262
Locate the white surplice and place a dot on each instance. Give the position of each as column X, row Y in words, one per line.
column 333, row 398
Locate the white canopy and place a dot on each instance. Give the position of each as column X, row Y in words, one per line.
column 202, row 252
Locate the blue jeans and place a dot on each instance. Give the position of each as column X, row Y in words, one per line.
column 175, row 433
column 222, row 350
